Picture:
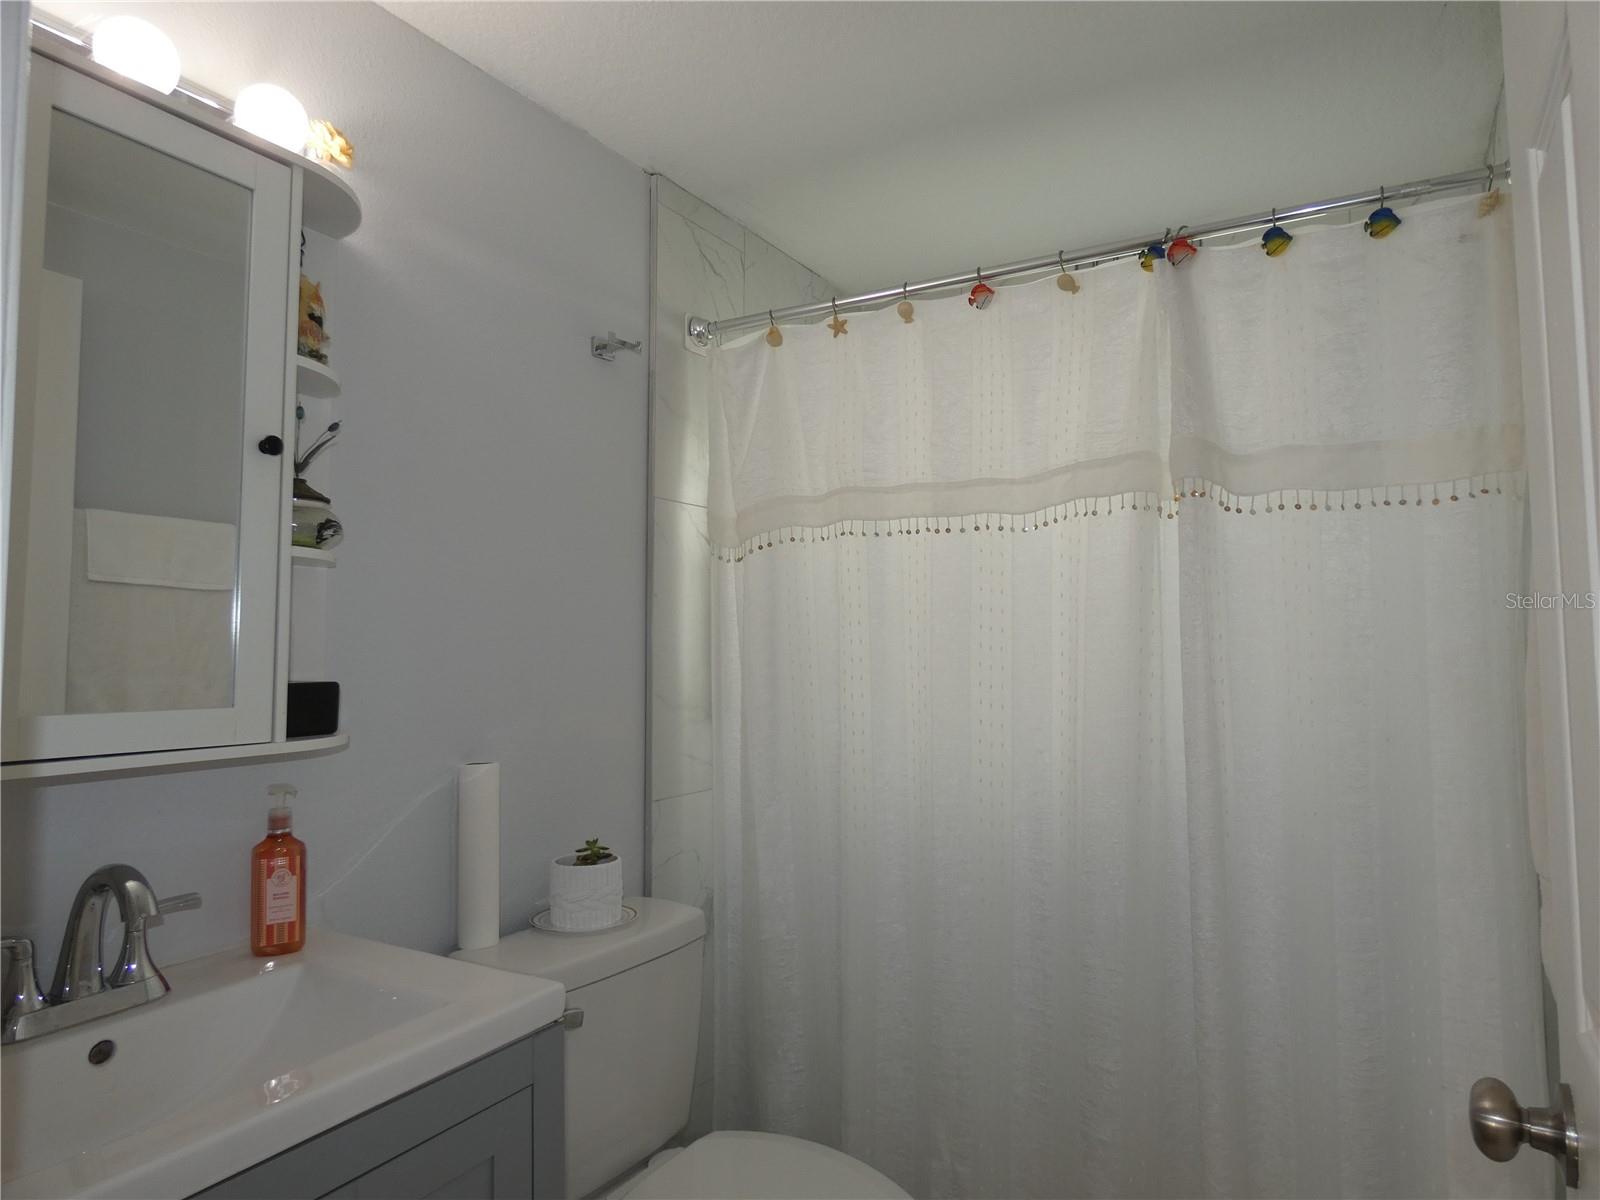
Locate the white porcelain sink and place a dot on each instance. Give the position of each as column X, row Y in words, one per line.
column 244, row 1058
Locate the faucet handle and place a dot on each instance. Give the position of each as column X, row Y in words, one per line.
column 134, row 964
column 182, row 902
column 22, row 995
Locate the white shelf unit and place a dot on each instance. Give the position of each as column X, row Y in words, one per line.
column 317, row 385
column 316, row 380
column 161, row 760
column 330, row 207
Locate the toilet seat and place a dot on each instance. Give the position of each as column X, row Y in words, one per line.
column 742, row 1165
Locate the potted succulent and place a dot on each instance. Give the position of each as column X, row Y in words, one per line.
column 586, row 889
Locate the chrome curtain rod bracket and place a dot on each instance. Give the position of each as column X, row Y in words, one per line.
column 702, row 332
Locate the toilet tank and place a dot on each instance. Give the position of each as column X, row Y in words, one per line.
column 630, row 1065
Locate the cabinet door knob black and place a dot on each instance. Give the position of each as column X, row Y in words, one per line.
column 271, row 444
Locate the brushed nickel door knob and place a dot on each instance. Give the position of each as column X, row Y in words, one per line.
column 1500, row 1125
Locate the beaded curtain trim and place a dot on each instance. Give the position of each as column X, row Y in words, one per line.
column 1400, row 497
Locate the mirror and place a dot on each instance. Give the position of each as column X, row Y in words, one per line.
column 132, row 559
column 148, row 525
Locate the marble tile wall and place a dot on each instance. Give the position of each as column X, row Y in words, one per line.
column 709, row 265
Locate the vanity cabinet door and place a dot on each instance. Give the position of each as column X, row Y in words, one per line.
column 146, row 520
column 486, row 1157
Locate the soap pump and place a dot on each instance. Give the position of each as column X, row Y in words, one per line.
column 278, row 881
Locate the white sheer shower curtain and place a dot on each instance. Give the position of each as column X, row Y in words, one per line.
column 1074, row 841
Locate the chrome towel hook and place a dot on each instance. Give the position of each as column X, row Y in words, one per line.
column 606, row 348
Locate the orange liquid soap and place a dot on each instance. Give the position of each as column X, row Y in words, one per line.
column 278, row 884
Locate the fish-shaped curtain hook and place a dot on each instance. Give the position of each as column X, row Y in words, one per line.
column 1383, row 221
column 1153, row 252
column 981, row 294
column 1180, row 249
column 1276, row 239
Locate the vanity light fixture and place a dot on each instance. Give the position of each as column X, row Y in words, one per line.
column 273, row 113
column 133, row 47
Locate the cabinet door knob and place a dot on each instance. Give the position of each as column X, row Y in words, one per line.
column 271, row 444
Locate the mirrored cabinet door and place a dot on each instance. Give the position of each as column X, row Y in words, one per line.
column 146, row 517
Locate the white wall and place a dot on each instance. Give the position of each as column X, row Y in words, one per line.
column 489, row 597
column 710, row 266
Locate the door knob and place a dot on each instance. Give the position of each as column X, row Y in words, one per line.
column 1500, row 1125
column 271, row 444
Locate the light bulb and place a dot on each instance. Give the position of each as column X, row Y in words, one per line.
column 135, row 48
column 270, row 112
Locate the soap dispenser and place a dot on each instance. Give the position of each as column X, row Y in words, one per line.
column 278, row 882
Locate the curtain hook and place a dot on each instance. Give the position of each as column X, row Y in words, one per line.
column 981, row 292
column 1064, row 281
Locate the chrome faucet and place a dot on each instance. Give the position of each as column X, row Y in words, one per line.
column 82, row 990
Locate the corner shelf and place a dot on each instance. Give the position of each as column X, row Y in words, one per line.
column 307, row 556
column 328, row 204
column 314, row 379
column 160, row 760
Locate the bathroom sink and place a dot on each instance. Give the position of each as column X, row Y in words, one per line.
column 244, row 1058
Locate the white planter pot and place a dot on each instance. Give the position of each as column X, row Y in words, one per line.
column 584, row 898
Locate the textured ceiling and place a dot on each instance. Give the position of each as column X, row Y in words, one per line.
column 878, row 142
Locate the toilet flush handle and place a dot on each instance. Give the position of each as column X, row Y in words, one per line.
column 572, row 1019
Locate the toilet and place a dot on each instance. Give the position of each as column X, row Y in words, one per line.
column 630, row 1071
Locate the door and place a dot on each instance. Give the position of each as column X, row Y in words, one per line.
column 487, row 1157
column 145, row 527
column 1553, row 126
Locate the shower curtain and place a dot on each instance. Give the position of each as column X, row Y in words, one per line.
column 1117, row 703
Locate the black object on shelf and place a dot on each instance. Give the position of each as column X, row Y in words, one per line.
column 313, row 709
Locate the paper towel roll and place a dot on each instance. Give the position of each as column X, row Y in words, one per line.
column 478, row 855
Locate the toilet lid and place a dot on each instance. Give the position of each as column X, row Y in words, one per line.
column 761, row 1166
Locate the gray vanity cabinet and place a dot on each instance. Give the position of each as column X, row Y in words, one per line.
column 490, row 1130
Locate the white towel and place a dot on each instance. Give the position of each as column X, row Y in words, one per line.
column 160, row 551
column 147, row 648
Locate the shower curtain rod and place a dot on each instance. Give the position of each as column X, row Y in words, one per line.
column 702, row 332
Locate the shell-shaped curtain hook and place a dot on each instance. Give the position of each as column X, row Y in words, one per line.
column 1065, row 281
column 1490, row 200
column 905, row 308
column 774, row 334
column 838, row 324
